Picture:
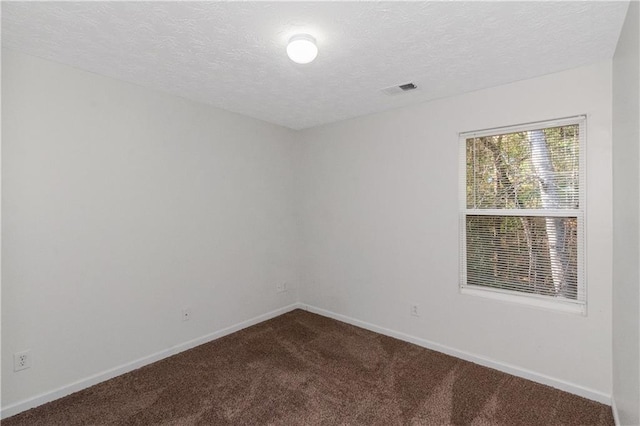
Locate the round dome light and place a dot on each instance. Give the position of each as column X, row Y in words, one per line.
column 302, row 49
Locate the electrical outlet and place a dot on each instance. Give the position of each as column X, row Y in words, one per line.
column 281, row 287
column 415, row 311
column 21, row 360
column 186, row 314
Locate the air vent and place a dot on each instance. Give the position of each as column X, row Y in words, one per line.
column 408, row 86
column 400, row 88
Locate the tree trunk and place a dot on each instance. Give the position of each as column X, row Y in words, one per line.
column 555, row 227
column 533, row 255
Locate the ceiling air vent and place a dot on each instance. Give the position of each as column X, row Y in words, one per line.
column 401, row 88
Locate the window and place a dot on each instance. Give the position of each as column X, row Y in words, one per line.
column 522, row 214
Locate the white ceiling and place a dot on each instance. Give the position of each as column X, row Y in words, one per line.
column 232, row 54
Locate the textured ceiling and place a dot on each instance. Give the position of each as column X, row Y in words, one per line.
column 232, row 54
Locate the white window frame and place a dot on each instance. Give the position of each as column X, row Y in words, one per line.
column 539, row 301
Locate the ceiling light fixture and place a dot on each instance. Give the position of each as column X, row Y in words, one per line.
column 302, row 48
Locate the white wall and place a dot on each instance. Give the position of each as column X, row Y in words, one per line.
column 626, row 214
column 121, row 206
column 379, row 210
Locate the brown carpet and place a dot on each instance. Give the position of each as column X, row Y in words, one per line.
column 304, row 369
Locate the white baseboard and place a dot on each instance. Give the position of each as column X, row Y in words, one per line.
column 497, row 365
column 45, row 397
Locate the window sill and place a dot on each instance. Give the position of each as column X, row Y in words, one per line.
column 529, row 300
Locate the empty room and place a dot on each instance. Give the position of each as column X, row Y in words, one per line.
column 319, row 213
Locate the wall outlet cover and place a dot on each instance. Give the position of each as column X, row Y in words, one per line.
column 186, row 314
column 21, row 360
column 415, row 311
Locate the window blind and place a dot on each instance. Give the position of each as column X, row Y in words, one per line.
column 522, row 210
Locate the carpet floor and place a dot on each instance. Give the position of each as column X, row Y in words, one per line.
column 305, row 369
